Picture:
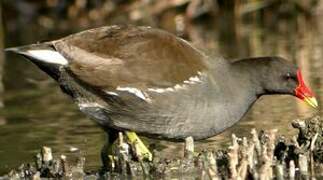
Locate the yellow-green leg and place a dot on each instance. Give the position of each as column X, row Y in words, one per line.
column 141, row 149
column 106, row 151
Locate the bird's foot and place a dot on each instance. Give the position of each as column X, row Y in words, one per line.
column 140, row 148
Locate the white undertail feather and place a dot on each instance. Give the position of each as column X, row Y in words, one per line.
column 49, row 56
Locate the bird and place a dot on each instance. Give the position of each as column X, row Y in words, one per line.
column 147, row 81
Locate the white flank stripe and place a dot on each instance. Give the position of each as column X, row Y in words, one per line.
column 161, row 90
column 134, row 91
column 48, row 56
column 170, row 89
column 177, row 87
column 157, row 90
column 89, row 104
column 195, row 79
column 112, row 93
column 191, row 80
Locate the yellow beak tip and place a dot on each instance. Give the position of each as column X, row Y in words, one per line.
column 311, row 101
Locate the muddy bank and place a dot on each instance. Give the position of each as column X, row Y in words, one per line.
column 265, row 155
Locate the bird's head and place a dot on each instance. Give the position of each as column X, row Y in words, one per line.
column 283, row 77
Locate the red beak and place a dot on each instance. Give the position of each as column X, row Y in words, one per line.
column 303, row 92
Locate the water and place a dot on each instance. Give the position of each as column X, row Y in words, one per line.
column 36, row 113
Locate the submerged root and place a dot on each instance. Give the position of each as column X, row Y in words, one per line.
column 263, row 156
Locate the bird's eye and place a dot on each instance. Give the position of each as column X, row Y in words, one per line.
column 287, row 76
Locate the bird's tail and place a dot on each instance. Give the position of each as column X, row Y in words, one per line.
column 44, row 55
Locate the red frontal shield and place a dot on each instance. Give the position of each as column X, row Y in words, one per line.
column 303, row 92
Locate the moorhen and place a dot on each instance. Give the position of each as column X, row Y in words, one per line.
column 148, row 81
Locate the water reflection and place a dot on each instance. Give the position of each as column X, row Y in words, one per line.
column 37, row 113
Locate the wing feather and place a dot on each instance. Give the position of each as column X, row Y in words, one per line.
column 127, row 56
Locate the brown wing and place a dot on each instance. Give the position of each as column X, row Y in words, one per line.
column 128, row 56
